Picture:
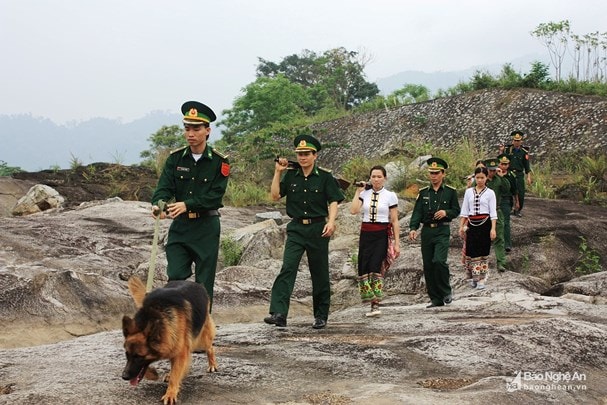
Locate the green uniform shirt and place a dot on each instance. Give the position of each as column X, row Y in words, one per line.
column 519, row 159
column 500, row 187
column 308, row 197
column 199, row 184
column 510, row 178
column 429, row 201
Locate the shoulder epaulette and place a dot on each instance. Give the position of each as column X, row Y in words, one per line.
column 525, row 149
column 218, row 153
column 178, row 149
column 451, row 187
column 324, row 169
column 424, row 188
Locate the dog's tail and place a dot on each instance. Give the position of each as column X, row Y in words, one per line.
column 137, row 289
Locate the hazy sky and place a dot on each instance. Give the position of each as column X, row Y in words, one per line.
column 76, row 59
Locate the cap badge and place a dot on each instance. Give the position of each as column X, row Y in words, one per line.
column 193, row 112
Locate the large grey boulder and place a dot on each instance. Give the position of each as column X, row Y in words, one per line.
column 39, row 198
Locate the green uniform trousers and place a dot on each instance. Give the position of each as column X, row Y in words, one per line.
column 304, row 238
column 435, row 248
column 506, row 208
column 194, row 241
column 520, row 186
column 499, row 244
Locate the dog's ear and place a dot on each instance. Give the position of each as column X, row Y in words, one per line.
column 137, row 289
column 128, row 326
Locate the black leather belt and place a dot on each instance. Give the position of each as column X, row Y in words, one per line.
column 308, row 221
column 200, row 214
column 436, row 225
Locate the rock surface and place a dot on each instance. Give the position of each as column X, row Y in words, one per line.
column 63, row 293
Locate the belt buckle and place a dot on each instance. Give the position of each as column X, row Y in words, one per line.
column 192, row 215
column 306, row 221
column 433, row 225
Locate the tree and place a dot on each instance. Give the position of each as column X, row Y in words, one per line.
column 6, row 170
column 162, row 142
column 408, row 94
column 266, row 101
column 337, row 76
column 538, row 77
column 509, row 78
column 555, row 37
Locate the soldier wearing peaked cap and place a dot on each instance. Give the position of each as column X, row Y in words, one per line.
column 435, row 207
column 501, row 187
column 312, row 195
column 519, row 165
column 195, row 177
column 509, row 199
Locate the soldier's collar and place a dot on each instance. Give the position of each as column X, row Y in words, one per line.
column 313, row 172
column 206, row 154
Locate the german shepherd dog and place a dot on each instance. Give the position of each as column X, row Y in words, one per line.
column 170, row 323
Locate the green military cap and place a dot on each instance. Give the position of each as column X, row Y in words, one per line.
column 306, row 143
column 517, row 135
column 503, row 158
column 491, row 164
column 195, row 113
column 435, row 164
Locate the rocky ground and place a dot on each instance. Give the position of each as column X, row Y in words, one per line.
column 63, row 293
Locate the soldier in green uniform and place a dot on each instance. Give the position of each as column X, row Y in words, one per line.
column 509, row 199
column 500, row 186
column 312, row 195
column 195, row 177
column 519, row 165
column 435, row 207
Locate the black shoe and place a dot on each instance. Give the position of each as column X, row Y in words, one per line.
column 508, row 250
column 448, row 299
column 518, row 214
column 432, row 305
column 319, row 323
column 277, row 319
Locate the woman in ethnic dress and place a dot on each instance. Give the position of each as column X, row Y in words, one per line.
column 478, row 219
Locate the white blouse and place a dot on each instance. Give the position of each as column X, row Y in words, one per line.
column 376, row 205
column 479, row 203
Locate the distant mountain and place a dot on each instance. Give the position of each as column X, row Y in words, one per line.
column 37, row 143
column 444, row 80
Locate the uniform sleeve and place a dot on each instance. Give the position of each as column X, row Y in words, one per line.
column 165, row 189
column 283, row 183
column 333, row 192
column 416, row 215
column 513, row 187
column 526, row 162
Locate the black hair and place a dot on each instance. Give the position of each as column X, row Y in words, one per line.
column 378, row 167
column 481, row 169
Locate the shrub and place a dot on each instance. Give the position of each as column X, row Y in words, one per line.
column 231, row 251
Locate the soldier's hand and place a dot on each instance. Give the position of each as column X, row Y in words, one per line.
column 412, row 235
column 176, row 209
column 328, row 230
column 281, row 165
column 156, row 212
